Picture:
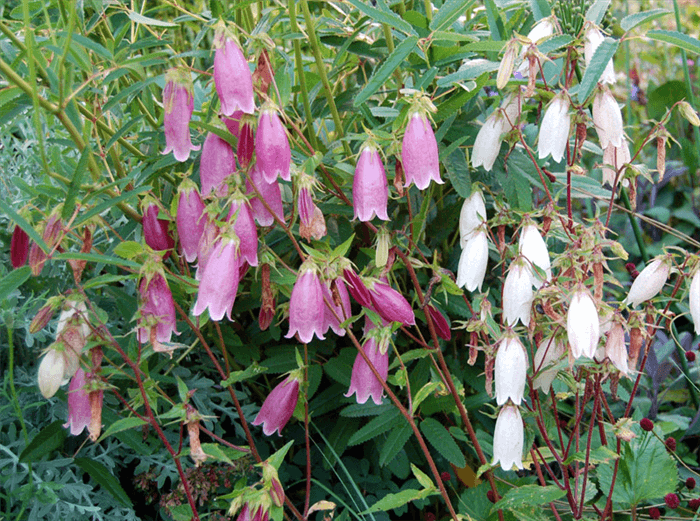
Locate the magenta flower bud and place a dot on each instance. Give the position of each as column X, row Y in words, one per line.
column 51, row 235
column 305, row 205
column 306, row 307
column 232, row 77
column 270, row 192
column 245, row 229
column 233, row 123
column 246, row 146
column 370, row 190
column 274, row 156
column 391, row 305
column 357, row 288
column 342, row 309
column 79, row 414
column 442, row 328
column 19, row 247
column 219, row 280
column 157, row 310
column 419, row 153
column 155, row 231
column 178, row 102
column 277, row 492
column 190, row 219
column 363, row 382
column 216, row 164
column 278, row 406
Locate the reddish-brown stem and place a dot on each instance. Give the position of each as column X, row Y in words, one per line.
column 597, row 391
column 542, row 481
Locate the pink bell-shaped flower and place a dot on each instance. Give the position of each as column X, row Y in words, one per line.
column 517, row 294
column 178, row 103
column 370, row 190
column 306, row 306
column 232, row 76
column 270, row 192
column 363, row 382
column 649, row 282
column 582, row 324
column 155, row 231
column 510, row 370
column 79, row 414
column 419, row 153
column 219, row 279
column 216, row 164
column 341, row 308
column 157, row 320
column 508, row 438
column 305, row 205
column 19, row 247
column 279, row 406
column 554, row 130
column 190, row 219
column 391, row 305
column 245, row 229
column 274, row 157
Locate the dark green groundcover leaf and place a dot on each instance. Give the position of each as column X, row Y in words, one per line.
column 528, row 495
column 442, row 441
column 104, row 477
column 49, row 439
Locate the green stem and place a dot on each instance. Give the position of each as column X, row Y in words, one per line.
column 635, row 225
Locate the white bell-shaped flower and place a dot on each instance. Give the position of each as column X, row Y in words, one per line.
column 473, row 262
column 51, row 371
column 615, row 348
column 472, row 215
column 649, row 282
column 549, row 351
column 593, row 38
column 607, row 118
column 508, row 438
column 554, row 130
column 694, row 296
column 510, row 370
column 488, row 142
column 517, row 294
column 534, row 249
column 582, row 324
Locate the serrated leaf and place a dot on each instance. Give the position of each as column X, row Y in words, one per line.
column 555, row 43
column 675, row 38
column 384, row 16
column 375, row 427
column 278, row 457
column 600, row 454
column 361, row 410
column 386, row 69
column 13, row 280
column 442, row 441
column 394, row 443
column 540, row 9
column 528, row 495
column 601, row 58
column 448, row 14
column 422, row 478
column 122, row 425
column 631, row 21
column 47, row 440
column 146, row 20
column 104, row 477
column 458, row 173
column 596, row 11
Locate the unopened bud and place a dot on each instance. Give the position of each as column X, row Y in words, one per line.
column 689, row 113
column 505, row 70
column 661, row 156
column 398, row 177
column 277, row 492
column 44, row 315
column 382, row 254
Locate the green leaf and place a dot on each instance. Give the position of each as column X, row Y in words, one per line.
column 540, row 9
column 181, row 389
column 386, row 69
column 485, row 46
column 49, row 439
column 494, row 19
column 448, row 14
column 104, row 477
column 128, row 249
column 631, row 21
column 110, row 203
column 80, row 169
column 344, row 248
column 681, row 40
column 458, row 173
column 442, row 441
column 13, row 280
column 375, row 427
column 555, row 43
column 392, row 501
column 394, row 443
column 424, row 392
column 384, row 15
column 123, row 424
column 422, row 477
column 22, row 223
column 278, row 457
column 596, row 12
column 528, row 495
column 468, row 71
column 145, row 20
column 594, row 71
column 216, row 8
column 106, row 280
column 238, row 376
column 456, row 102
column 222, row 453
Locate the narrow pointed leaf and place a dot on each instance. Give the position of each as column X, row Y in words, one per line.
column 681, row 40
column 49, row 439
column 104, row 477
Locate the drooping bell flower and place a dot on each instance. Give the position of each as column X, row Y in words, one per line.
column 336, row 294
column 216, row 164
column 532, row 57
column 219, row 279
column 190, row 219
column 532, row 246
column 157, row 321
column 270, row 192
column 510, row 370
column 51, row 235
column 306, row 307
column 244, row 226
column 419, row 152
column 548, row 352
column 370, row 189
column 472, row 215
column 232, row 76
column 391, row 305
column 593, row 37
column 274, row 157
column 488, row 142
column 363, row 382
column 473, row 262
column 79, row 415
column 616, row 349
column 554, row 130
column 649, row 282
column 72, row 332
column 517, row 294
column 442, row 328
column 614, row 157
column 694, row 301
column 155, row 230
column 51, row 371
column 209, row 237
column 278, row 407
column 582, row 324
column 357, row 288
column 508, row 438
column 607, row 118
column 178, row 103
column 19, row 247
